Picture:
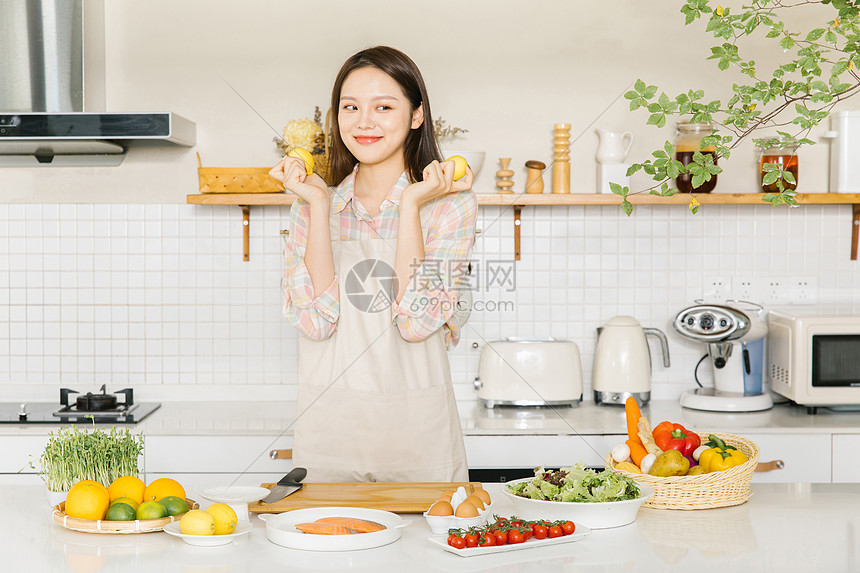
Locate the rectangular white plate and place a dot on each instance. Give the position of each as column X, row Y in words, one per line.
column 581, row 532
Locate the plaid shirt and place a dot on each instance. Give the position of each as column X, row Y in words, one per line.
column 430, row 298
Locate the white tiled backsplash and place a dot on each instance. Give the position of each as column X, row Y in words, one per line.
column 158, row 296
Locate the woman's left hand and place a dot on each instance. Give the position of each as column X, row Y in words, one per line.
column 438, row 181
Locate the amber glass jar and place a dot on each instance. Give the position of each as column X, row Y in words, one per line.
column 787, row 157
column 688, row 140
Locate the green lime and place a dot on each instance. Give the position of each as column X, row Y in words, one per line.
column 120, row 512
column 127, row 501
column 174, row 505
column 151, row 510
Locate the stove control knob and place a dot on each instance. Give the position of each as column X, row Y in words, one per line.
column 22, row 412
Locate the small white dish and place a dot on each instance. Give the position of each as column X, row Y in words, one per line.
column 580, row 533
column 237, row 497
column 593, row 515
column 207, row 540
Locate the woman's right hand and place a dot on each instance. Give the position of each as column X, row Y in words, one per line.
column 291, row 171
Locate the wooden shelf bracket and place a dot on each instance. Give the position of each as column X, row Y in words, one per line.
column 246, row 232
column 855, row 229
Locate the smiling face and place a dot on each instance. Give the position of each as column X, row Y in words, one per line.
column 375, row 116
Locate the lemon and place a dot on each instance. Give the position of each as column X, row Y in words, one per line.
column 126, row 500
column 151, row 510
column 197, row 522
column 459, row 166
column 121, row 512
column 304, row 155
column 174, row 505
column 225, row 518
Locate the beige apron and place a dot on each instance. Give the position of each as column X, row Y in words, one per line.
column 372, row 406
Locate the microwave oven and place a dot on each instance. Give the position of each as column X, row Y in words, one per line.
column 814, row 357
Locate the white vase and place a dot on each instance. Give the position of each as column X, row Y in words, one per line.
column 56, row 497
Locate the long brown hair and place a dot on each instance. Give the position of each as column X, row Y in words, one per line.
column 420, row 147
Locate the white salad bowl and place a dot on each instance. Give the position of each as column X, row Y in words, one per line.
column 596, row 515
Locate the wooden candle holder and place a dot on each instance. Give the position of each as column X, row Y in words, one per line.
column 504, row 175
column 561, row 159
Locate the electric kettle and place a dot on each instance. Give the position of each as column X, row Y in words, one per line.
column 622, row 361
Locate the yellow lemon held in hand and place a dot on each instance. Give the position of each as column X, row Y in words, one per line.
column 163, row 487
column 131, row 487
column 151, row 510
column 304, row 155
column 87, row 500
column 197, row 522
column 459, row 166
column 225, row 518
column 126, row 500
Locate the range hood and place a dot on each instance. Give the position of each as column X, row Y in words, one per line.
column 52, row 91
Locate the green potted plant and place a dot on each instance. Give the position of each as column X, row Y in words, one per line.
column 815, row 70
column 72, row 455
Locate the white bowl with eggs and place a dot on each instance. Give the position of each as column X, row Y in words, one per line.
column 440, row 524
column 595, row 515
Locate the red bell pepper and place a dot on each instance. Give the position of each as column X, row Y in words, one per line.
column 669, row 436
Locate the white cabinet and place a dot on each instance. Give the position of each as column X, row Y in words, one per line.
column 846, row 463
column 807, row 457
column 529, row 451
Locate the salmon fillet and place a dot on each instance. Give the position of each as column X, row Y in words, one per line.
column 324, row 529
column 359, row 525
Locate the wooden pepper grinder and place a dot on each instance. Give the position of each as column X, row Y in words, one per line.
column 504, row 175
column 534, row 181
column 561, row 163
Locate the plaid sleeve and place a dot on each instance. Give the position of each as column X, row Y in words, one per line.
column 430, row 298
column 315, row 317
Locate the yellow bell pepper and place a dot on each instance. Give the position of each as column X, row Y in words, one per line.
column 720, row 456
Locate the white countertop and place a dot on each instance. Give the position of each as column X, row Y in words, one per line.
column 274, row 418
column 784, row 528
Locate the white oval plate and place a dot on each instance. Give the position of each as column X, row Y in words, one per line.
column 207, row 540
column 280, row 529
column 235, row 493
column 581, row 531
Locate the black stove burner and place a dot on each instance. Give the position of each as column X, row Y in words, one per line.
column 92, row 403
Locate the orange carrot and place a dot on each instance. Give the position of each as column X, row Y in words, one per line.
column 359, row 525
column 631, row 409
column 324, row 529
column 637, row 452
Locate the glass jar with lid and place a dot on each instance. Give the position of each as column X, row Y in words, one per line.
column 787, row 157
column 688, row 140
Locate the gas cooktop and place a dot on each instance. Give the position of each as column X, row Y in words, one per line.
column 101, row 408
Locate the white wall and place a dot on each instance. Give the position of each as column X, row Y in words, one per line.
column 82, row 310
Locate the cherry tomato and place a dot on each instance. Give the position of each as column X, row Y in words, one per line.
column 489, row 540
column 568, row 527
column 516, row 523
column 500, row 535
column 471, row 540
column 555, row 531
column 540, row 531
column 457, row 542
column 515, row 536
column 527, row 533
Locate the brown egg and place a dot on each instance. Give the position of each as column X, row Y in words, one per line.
column 476, row 501
column 441, row 507
column 466, row 509
column 483, row 496
column 446, row 497
column 449, row 493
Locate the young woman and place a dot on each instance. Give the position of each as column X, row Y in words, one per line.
column 371, row 274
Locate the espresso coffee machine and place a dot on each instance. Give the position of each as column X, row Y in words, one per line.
column 728, row 333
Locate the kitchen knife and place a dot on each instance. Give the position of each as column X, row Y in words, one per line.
column 286, row 485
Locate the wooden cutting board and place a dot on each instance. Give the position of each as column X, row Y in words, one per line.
column 398, row 497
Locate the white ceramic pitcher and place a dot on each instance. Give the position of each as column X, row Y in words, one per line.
column 613, row 147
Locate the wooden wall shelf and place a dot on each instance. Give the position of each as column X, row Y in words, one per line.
column 518, row 201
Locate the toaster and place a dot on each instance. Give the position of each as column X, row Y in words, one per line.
column 530, row 372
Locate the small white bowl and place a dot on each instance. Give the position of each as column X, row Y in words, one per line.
column 601, row 515
column 207, row 540
column 475, row 159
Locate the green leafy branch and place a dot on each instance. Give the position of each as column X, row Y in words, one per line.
column 818, row 72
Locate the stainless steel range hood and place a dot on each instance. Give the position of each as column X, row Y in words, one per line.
column 52, row 90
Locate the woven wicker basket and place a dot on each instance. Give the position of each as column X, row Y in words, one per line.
column 114, row 527
column 705, row 491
